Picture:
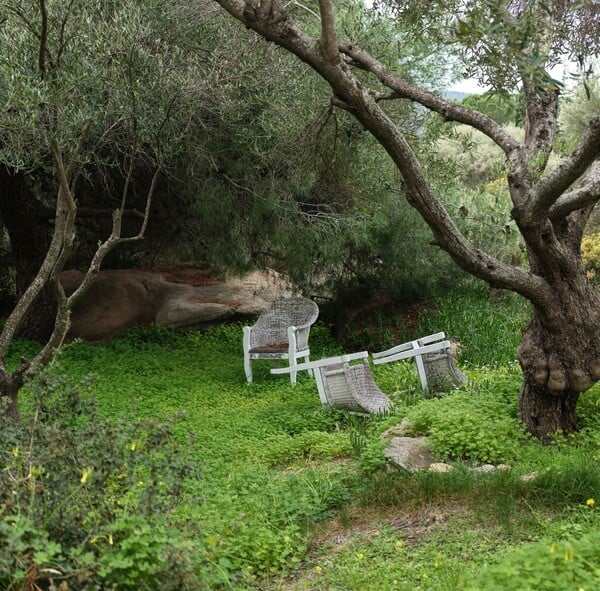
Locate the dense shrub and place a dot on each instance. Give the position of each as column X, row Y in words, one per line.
column 590, row 252
column 476, row 424
column 89, row 502
column 548, row 565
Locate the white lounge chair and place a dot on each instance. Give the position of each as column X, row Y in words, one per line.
column 346, row 385
column 435, row 364
column 281, row 332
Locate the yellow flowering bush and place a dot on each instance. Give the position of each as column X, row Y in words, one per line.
column 590, row 252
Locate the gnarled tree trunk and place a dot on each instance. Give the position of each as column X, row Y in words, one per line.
column 560, row 352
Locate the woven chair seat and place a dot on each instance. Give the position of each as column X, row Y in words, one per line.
column 345, row 385
column 441, row 371
column 276, row 348
column 352, row 387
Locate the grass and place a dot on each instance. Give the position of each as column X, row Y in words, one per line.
column 298, row 497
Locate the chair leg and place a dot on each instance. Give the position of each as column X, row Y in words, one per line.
column 292, row 360
column 246, row 347
column 248, row 369
column 422, row 373
column 309, row 371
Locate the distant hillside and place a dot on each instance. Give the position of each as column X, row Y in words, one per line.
column 457, row 96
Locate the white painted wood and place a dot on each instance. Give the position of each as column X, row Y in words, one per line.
column 414, row 349
column 281, row 332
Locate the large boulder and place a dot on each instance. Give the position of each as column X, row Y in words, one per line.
column 177, row 296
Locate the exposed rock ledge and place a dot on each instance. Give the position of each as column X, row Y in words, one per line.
column 177, row 296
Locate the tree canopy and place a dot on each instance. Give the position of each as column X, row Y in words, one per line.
column 506, row 45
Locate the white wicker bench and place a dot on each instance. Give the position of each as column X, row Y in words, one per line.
column 281, row 332
column 435, row 364
column 344, row 385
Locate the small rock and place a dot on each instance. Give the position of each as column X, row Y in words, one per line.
column 440, row 467
column 529, row 477
column 484, row 468
column 400, row 430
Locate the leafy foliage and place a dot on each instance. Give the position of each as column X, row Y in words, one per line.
column 278, row 470
column 473, row 425
column 523, row 37
column 570, row 563
column 87, row 500
column 501, row 108
column 579, row 106
column 590, row 253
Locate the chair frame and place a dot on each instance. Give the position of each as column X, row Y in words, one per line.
column 276, row 324
column 419, row 349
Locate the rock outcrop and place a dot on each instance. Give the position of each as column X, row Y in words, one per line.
column 179, row 296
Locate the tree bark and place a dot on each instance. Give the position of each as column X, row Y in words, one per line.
column 9, row 396
column 29, row 232
column 560, row 354
column 545, row 413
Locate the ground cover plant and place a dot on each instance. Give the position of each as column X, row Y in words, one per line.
column 198, row 480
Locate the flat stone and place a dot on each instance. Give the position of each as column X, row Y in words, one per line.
column 410, row 453
column 530, row 476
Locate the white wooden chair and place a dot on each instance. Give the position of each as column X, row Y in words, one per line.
column 281, row 332
column 433, row 356
column 344, row 385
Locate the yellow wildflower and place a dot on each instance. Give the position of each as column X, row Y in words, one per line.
column 318, row 568
column 590, row 502
column 86, row 475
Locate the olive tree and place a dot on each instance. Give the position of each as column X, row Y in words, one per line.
column 508, row 44
column 89, row 89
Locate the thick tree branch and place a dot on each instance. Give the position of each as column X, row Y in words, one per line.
column 63, row 230
column 550, row 187
column 450, row 111
column 584, row 196
column 270, row 20
column 350, row 94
